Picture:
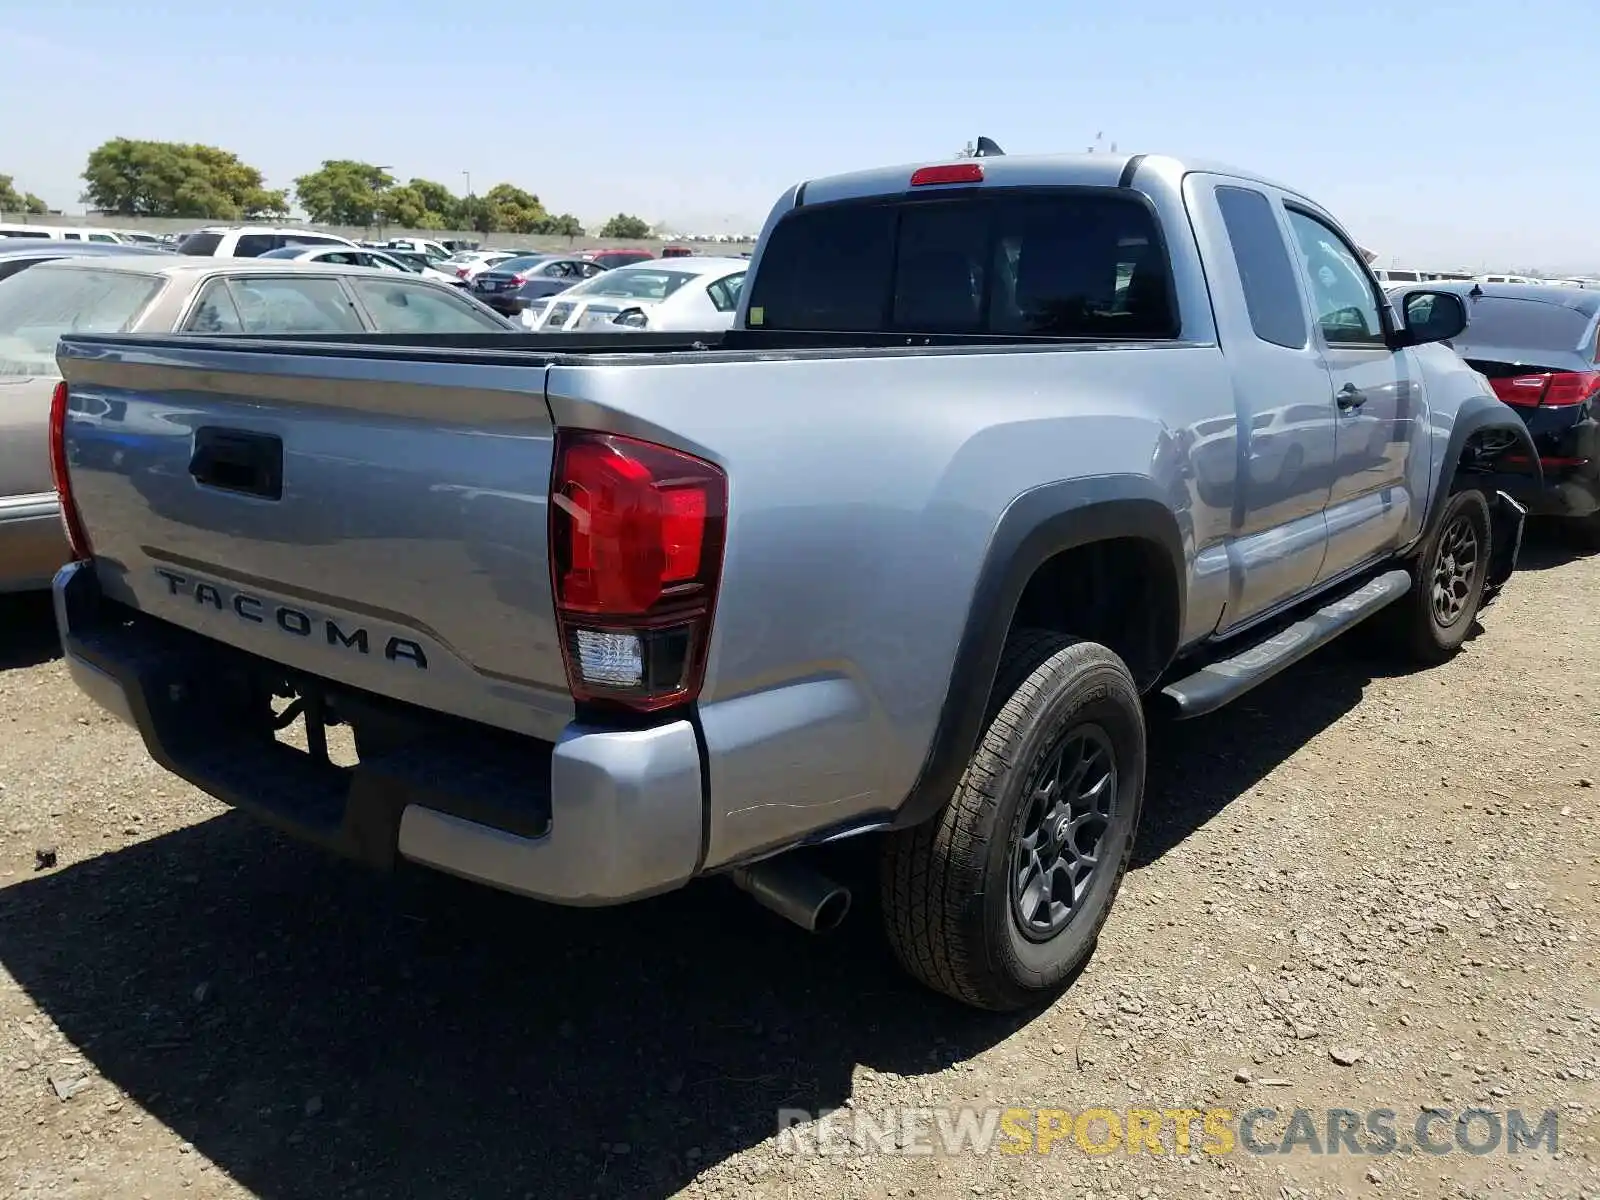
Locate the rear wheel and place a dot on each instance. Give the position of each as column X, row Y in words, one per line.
column 999, row 899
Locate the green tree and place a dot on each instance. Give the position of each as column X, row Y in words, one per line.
column 566, row 225
column 343, row 192
column 12, row 200
column 439, row 201
column 515, row 211
column 133, row 178
column 624, row 226
column 406, row 207
column 479, row 215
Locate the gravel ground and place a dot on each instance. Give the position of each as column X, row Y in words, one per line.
column 1356, row 889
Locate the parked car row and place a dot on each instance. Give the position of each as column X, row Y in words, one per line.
column 78, row 233
column 51, row 288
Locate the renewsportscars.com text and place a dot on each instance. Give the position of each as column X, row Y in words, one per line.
column 1177, row 1131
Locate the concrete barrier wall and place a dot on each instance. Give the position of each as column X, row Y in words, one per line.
column 162, row 225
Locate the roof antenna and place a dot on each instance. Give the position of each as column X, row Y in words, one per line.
column 986, row 148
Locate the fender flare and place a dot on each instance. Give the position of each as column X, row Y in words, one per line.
column 1476, row 414
column 1035, row 527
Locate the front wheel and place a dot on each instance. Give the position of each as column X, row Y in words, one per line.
column 999, row 899
column 1436, row 616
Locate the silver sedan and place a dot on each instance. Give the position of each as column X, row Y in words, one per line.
column 162, row 293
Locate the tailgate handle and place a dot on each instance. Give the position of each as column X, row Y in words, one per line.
column 234, row 460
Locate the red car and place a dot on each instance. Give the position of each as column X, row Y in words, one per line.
column 617, row 258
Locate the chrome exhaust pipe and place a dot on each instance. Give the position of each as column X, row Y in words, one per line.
column 796, row 892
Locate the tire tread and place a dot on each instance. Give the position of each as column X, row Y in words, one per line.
column 933, row 873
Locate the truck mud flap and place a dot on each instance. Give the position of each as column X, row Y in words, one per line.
column 1218, row 683
column 1508, row 518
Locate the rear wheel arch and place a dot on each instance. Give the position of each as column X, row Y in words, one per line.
column 1484, row 428
column 1057, row 555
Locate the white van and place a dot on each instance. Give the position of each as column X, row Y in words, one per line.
column 252, row 241
column 59, row 233
column 1389, row 277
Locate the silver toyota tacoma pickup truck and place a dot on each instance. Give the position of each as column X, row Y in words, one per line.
column 999, row 453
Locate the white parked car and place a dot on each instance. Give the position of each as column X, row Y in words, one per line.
column 674, row 295
column 359, row 256
column 425, row 246
column 252, row 241
column 464, row 264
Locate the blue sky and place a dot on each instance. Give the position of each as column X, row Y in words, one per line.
column 1441, row 133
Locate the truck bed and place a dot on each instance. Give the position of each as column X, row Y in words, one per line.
column 520, row 349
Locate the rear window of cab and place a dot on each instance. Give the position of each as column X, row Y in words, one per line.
column 1073, row 263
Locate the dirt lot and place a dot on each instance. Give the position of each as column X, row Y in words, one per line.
column 1358, row 890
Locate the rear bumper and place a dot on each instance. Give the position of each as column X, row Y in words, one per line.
column 506, row 303
column 1569, row 492
column 33, row 544
column 599, row 817
column 1571, row 489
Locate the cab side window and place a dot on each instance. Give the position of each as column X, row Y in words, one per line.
column 1343, row 297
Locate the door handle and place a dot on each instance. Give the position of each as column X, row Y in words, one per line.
column 1350, row 396
column 235, row 460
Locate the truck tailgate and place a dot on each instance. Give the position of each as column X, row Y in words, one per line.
column 328, row 515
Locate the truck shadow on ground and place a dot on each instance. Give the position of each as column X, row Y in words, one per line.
column 1548, row 544
column 27, row 631
column 317, row 1032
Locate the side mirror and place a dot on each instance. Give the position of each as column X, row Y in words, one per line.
column 1431, row 317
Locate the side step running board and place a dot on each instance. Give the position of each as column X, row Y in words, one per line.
column 1209, row 688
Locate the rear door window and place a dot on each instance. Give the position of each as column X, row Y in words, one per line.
column 252, row 244
column 724, row 293
column 200, row 244
column 1277, row 314
column 1058, row 263
column 215, row 313
column 300, row 305
column 402, row 307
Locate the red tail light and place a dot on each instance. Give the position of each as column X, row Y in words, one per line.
column 1548, row 389
column 636, row 534
column 967, row 172
column 461, row 272
column 77, row 540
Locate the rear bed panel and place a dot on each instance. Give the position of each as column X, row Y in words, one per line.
column 406, row 556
